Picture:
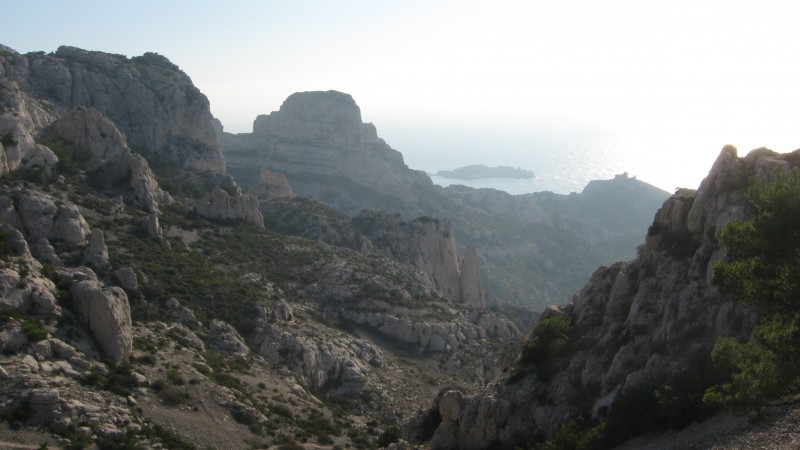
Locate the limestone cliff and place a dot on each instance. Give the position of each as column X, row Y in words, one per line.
column 162, row 114
column 318, row 141
column 430, row 246
column 637, row 327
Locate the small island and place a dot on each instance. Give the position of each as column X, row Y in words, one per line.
column 478, row 171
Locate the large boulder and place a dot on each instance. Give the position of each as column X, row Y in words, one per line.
column 42, row 217
column 106, row 311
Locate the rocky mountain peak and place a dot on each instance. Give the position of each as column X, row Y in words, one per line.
column 328, row 118
column 318, row 141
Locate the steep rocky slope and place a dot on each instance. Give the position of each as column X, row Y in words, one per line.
column 151, row 307
column 534, row 249
column 636, row 341
column 162, row 114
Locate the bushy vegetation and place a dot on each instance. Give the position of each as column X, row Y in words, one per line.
column 118, row 380
column 549, row 339
column 71, row 159
column 764, row 260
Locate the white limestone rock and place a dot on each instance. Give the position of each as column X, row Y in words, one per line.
column 96, row 254
column 218, row 204
column 106, row 311
column 223, row 337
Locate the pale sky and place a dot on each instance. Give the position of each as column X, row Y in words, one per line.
column 677, row 79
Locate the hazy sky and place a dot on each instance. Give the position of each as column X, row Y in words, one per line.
column 677, row 79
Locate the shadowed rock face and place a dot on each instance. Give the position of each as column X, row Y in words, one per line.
column 649, row 319
column 162, row 114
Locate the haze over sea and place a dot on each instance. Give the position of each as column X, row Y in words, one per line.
column 567, row 157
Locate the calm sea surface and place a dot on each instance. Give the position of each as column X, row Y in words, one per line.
column 565, row 160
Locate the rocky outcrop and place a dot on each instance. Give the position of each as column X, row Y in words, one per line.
column 22, row 286
column 112, row 161
column 318, row 140
column 43, row 217
column 21, row 117
column 649, row 320
column 106, row 312
column 218, row 204
column 96, row 254
column 162, row 114
column 324, row 359
column 471, row 285
column 223, row 337
column 428, row 245
column 271, row 186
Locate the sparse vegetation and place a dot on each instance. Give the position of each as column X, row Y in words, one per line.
column 34, row 329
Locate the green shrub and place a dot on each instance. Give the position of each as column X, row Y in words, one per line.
column 175, row 377
column 764, row 258
column 549, row 338
column 33, row 329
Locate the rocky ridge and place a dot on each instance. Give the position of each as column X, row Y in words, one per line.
column 163, row 116
column 635, row 326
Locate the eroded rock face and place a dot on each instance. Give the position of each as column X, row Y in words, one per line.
column 22, row 286
column 218, row 204
column 272, row 186
column 115, row 162
column 43, row 218
column 333, row 361
column 106, row 311
column 428, row 245
column 21, row 118
column 472, row 291
column 644, row 320
column 223, row 337
column 148, row 98
column 96, row 254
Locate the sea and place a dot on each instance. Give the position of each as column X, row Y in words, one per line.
column 564, row 159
